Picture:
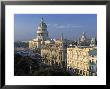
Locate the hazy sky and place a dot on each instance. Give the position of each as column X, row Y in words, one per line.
column 71, row 25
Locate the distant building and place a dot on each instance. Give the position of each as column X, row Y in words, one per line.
column 21, row 44
column 93, row 42
column 83, row 40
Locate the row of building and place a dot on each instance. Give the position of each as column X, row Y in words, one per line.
column 76, row 56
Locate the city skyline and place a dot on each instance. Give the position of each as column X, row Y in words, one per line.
column 71, row 25
column 42, row 56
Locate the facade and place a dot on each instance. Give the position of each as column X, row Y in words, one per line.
column 33, row 43
column 81, row 61
column 53, row 52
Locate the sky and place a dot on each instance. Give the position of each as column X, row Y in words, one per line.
column 71, row 25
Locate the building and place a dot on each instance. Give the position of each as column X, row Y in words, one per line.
column 83, row 40
column 42, row 35
column 82, row 60
column 52, row 50
column 21, row 44
column 51, row 54
column 93, row 42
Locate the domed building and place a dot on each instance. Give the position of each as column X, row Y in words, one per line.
column 52, row 50
column 42, row 32
column 83, row 40
column 83, row 37
column 42, row 35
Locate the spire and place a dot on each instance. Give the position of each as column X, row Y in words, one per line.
column 62, row 37
column 42, row 25
column 83, row 37
column 83, row 33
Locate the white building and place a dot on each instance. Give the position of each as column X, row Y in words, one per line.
column 82, row 60
column 42, row 35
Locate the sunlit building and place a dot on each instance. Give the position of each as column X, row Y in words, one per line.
column 82, row 60
column 80, row 57
column 52, row 50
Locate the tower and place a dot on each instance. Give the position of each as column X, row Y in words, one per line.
column 63, row 51
column 42, row 32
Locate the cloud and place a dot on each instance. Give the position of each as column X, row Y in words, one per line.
column 76, row 26
column 63, row 26
column 55, row 25
column 72, row 26
column 48, row 24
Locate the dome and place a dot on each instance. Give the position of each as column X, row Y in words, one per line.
column 42, row 25
column 83, row 37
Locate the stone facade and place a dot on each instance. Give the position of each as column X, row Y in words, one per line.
column 53, row 54
column 80, row 60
